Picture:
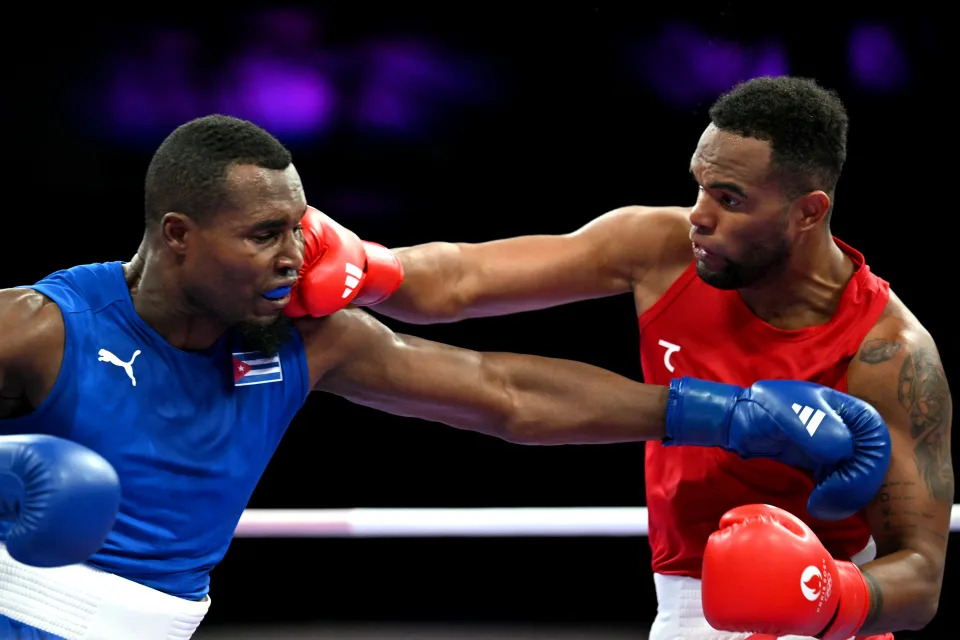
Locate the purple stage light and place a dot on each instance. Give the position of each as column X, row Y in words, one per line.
column 686, row 65
column 148, row 90
column 407, row 82
column 877, row 61
column 289, row 99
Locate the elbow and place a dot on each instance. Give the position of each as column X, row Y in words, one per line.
column 513, row 426
column 522, row 432
column 924, row 607
column 531, row 429
column 441, row 304
column 414, row 310
column 432, row 291
column 921, row 615
column 440, row 309
column 523, row 415
column 446, row 302
column 929, row 613
column 925, row 610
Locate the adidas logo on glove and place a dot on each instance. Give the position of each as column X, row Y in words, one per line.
column 354, row 273
column 804, row 413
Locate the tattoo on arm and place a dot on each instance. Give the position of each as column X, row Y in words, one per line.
column 902, row 514
column 923, row 391
column 875, row 597
column 876, row 351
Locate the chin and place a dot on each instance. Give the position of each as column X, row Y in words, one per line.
column 262, row 320
column 736, row 275
column 266, row 334
column 726, row 279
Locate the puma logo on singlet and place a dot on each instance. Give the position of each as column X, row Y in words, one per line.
column 671, row 349
column 354, row 273
column 106, row 356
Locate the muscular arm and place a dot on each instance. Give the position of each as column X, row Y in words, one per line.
column 519, row 398
column 898, row 370
column 31, row 349
column 445, row 281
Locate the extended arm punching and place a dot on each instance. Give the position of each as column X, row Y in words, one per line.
column 519, row 398
column 446, row 281
column 535, row 400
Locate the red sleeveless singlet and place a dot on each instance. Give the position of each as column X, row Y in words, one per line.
column 699, row 331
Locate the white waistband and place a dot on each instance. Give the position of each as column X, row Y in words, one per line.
column 680, row 610
column 680, row 613
column 79, row 602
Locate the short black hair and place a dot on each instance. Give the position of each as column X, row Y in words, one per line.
column 188, row 170
column 805, row 123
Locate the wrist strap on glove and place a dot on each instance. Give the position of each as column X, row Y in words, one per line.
column 699, row 412
column 853, row 603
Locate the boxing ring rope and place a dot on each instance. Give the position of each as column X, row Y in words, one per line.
column 472, row 522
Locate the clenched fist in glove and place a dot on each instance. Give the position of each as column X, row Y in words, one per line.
column 765, row 571
column 61, row 497
column 339, row 268
column 840, row 438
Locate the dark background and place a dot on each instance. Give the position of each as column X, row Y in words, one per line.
column 468, row 123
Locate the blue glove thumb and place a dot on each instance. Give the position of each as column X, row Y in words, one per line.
column 858, row 479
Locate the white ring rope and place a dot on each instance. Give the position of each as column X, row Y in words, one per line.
column 471, row 522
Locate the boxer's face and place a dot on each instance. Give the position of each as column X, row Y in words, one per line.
column 250, row 246
column 740, row 223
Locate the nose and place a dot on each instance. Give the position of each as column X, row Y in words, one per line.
column 290, row 257
column 702, row 215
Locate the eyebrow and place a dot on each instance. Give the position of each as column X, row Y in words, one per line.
column 269, row 225
column 727, row 186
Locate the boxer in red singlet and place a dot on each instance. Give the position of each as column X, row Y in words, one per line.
column 748, row 283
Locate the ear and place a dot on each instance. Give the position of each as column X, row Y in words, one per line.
column 812, row 207
column 177, row 229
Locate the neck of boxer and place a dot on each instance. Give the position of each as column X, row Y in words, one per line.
column 160, row 301
column 806, row 289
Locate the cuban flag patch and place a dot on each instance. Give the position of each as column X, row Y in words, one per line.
column 252, row 367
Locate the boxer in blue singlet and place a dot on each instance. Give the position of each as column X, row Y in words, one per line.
column 169, row 381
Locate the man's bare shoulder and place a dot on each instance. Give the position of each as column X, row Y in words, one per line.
column 898, row 322
column 652, row 237
column 897, row 339
column 638, row 219
column 26, row 317
column 31, row 343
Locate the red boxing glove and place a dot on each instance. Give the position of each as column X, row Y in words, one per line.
column 765, row 571
column 384, row 275
column 337, row 269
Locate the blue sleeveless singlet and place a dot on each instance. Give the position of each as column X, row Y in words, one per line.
column 189, row 433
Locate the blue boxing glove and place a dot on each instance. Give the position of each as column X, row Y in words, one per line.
column 841, row 439
column 62, row 497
